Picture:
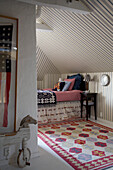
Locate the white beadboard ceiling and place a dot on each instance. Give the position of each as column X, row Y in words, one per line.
column 79, row 42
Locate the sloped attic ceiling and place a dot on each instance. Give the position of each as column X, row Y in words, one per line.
column 44, row 65
column 79, row 42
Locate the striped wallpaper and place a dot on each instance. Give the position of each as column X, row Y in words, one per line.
column 49, row 81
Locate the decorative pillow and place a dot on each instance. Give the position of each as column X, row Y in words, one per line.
column 72, row 83
column 56, row 86
column 67, row 84
column 59, row 86
column 62, row 84
column 78, row 82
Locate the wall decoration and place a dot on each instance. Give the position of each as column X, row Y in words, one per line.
column 8, row 73
column 105, row 80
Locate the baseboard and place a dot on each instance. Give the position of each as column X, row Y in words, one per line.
column 105, row 122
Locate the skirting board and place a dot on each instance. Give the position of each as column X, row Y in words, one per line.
column 105, row 122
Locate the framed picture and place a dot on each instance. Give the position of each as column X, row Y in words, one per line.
column 8, row 73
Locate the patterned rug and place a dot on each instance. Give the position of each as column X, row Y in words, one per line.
column 84, row 145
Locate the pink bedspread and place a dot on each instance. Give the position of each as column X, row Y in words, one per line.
column 67, row 95
column 73, row 95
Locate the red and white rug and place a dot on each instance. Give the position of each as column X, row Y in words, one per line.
column 84, row 145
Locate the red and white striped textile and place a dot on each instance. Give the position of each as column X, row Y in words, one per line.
column 5, row 79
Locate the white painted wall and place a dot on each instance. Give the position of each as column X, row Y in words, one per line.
column 26, row 88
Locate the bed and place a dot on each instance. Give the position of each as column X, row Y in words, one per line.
column 65, row 105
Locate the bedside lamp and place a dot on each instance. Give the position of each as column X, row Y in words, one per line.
column 60, row 80
column 87, row 79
